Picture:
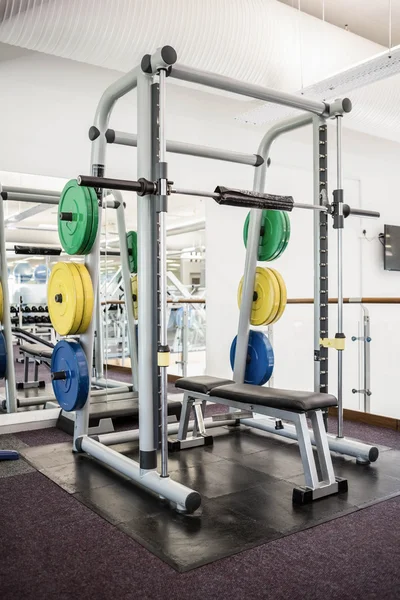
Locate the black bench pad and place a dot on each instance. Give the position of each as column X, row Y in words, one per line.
column 201, row 383
column 37, row 350
column 274, row 398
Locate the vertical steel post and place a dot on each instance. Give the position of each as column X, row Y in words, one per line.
column 163, row 349
column 321, row 307
column 185, row 340
column 126, row 278
column 339, row 178
column 146, row 268
column 367, row 360
column 11, row 389
column 99, row 337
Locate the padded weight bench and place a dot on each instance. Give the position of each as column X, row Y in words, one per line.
column 286, row 405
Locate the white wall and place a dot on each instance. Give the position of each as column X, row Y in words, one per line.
column 371, row 181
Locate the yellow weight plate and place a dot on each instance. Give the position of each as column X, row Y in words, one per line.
column 283, row 296
column 65, row 298
column 89, row 297
column 277, row 295
column 134, row 285
column 80, row 297
column 1, row 302
column 266, row 297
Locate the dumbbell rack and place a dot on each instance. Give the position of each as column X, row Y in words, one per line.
column 38, row 324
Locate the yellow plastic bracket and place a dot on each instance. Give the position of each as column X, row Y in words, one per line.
column 163, row 359
column 336, row 343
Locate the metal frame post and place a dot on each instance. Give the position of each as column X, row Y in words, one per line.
column 163, row 353
column 92, row 260
column 126, row 278
column 11, row 387
column 147, row 352
column 339, row 333
column 253, row 239
column 367, row 359
column 321, row 287
column 98, row 337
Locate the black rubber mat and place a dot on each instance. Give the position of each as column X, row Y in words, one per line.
column 245, row 479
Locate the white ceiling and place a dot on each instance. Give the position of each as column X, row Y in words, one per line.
column 367, row 18
column 266, row 42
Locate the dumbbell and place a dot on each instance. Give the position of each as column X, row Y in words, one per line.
column 13, row 308
column 46, row 308
column 34, row 308
column 26, row 309
column 41, row 308
column 14, row 320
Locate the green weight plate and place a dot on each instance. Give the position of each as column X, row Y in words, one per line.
column 281, row 244
column 131, row 240
column 75, row 235
column 95, row 221
column 287, row 235
column 273, row 233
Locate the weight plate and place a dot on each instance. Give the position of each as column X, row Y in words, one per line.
column 3, row 356
column 95, row 221
column 72, row 391
column 281, row 242
column 287, row 235
column 88, row 304
column 76, row 234
column 134, row 285
column 273, row 235
column 283, row 296
column 266, row 297
column 131, row 239
column 281, row 245
column 260, row 358
column 1, row 302
column 65, row 298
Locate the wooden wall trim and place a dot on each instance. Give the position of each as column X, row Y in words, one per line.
column 368, row 418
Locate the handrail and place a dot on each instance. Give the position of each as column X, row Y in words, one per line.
column 367, row 300
column 170, row 301
column 355, row 300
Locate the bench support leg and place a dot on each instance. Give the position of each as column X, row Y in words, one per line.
column 325, row 483
column 199, row 436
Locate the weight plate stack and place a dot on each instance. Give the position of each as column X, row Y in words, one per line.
column 3, row 356
column 70, row 375
column 275, row 228
column 78, row 218
column 269, row 299
column 282, row 296
column 70, row 298
column 131, row 240
column 260, row 358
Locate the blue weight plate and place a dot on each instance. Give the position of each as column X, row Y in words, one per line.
column 260, row 363
column 3, row 356
column 71, row 392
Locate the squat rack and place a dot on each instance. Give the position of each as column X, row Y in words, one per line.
column 321, row 208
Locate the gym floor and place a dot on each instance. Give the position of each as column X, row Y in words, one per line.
column 53, row 546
